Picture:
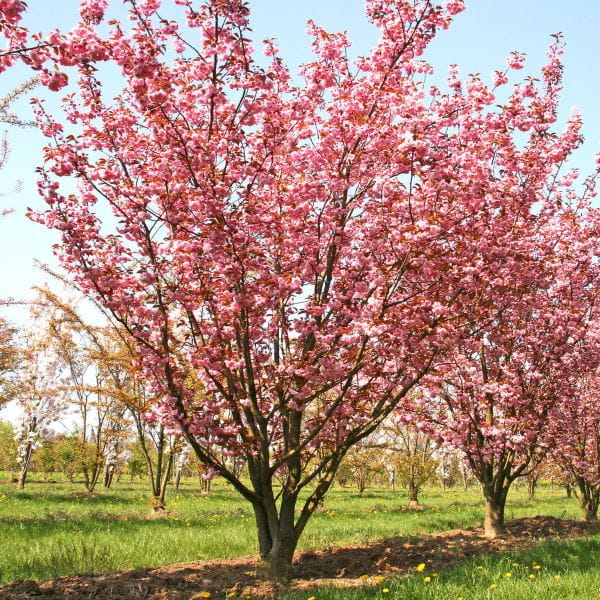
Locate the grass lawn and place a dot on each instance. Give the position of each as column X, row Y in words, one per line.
column 550, row 571
column 55, row 529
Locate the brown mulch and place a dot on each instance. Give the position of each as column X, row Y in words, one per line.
column 342, row 567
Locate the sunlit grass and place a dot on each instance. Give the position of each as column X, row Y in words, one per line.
column 55, row 529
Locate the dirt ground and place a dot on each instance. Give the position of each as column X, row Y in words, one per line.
column 342, row 567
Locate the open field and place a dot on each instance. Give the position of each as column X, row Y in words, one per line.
column 54, row 529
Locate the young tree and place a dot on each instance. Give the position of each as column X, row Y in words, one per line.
column 40, row 396
column 68, row 459
column 285, row 245
column 411, row 454
column 361, row 464
column 93, row 383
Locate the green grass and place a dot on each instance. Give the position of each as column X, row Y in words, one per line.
column 50, row 530
column 567, row 570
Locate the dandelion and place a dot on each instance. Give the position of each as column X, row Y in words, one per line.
column 421, row 567
column 312, row 598
column 427, row 579
column 204, row 595
column 557, row 577
column 364, row 577
column 379, row 579
column 434, row 574
column 385, row 591
column 532, row 576
column 537, row 567
column 514, row 564
column 493, row 586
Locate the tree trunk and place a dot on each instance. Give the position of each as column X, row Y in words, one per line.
column 413, row 495
column 178, row 479
column 108, row 476
column 591, row 511
column 493, row 522
column 531, row 487
column 277, row 542
column 93, row 480
column 25, row 468
column 569, row 490
column 589, row 498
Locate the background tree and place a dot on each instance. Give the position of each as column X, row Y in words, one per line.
column 498, row 394
column 577, row 431
column 410, row 453
column 68, row 458
column 360, row 465
column 8, row 449
column 40, row 395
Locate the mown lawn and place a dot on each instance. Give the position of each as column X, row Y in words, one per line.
column 55, row 529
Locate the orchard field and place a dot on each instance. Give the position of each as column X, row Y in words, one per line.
column 53, row 530
column 277, row 292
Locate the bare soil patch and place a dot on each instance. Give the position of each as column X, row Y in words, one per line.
column 341, row 567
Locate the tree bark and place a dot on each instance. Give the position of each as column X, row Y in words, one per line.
column 413, row 495
column 178, row 479
column 531, row 487
column 108, row 476
column 25, row 468
column 278, row 539
column 493, row 522
column 589, row 499
column 591, row 511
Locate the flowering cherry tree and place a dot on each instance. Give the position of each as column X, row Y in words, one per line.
column 577, row 434
column 40, row 396
column 289, row 260
column 499, row 393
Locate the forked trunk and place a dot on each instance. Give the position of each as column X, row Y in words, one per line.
column 591, row 512
column 589, row 499
column 108, row 476
column 158, row 502
column 277, row 543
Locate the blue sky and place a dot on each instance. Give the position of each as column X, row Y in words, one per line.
column 479, row 41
